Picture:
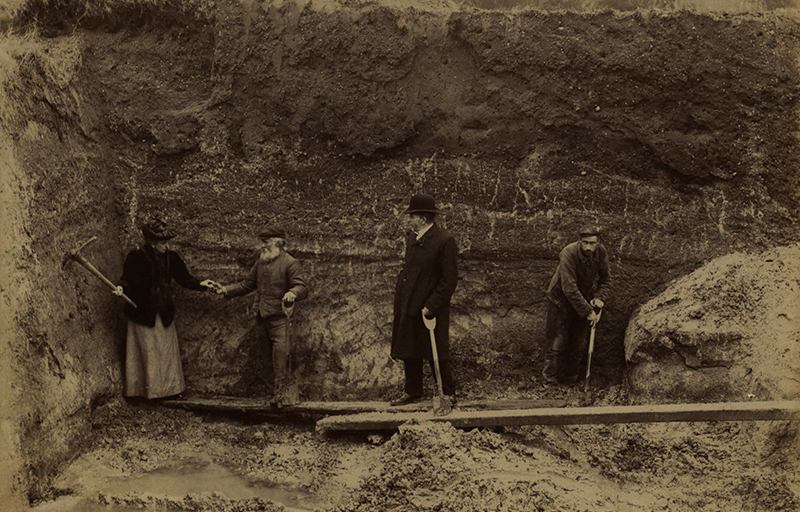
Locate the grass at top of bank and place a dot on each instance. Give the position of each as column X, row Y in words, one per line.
column 703, row 6
column 26, row 11
column 70, row 14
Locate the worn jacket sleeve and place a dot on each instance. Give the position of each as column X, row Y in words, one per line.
column 245, row 286
column 604, row 274
column 296, row 281
column 569, row 285
column 447, row 283
column 127, row 272
column 181, row 275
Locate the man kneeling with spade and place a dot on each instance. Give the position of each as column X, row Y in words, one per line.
column 575, row 297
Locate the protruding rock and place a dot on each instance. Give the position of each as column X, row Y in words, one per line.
column 727, row 331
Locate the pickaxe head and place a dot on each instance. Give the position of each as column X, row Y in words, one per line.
column 73, row 255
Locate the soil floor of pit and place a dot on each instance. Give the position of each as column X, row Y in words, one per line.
column 148, row 456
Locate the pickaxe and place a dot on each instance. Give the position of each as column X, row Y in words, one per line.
column 77, row 256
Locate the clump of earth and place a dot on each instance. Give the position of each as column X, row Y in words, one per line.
column 727, row 332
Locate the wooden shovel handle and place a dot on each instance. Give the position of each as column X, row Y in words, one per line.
column 441, row 407
column 591, row 350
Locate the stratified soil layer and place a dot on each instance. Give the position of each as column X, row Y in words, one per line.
column 675, row 131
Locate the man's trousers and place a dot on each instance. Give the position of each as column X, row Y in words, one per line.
column 278, row 376
column 567, row 342
column 413, row 371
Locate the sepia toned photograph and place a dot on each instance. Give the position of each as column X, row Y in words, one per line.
column 400, row 255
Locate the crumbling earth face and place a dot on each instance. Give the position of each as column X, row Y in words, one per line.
column 728, row 331
column 433, row 466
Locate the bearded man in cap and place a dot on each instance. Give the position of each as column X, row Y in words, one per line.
column 153, row 361
column 580, row 284
column 424, row 286
column 278, row 277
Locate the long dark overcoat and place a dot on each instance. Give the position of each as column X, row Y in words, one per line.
column 428, row 279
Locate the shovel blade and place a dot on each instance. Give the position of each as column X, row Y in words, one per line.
column 441, row 406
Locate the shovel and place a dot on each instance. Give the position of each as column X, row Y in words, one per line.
column 591, row 349
column 441, row 406
column 292, row 391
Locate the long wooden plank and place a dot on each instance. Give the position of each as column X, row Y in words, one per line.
column 739, row 411
column 229, row 404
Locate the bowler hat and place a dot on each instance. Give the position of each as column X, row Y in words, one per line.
column 589, row 230
column 422, row 203
column 272, row 231
column 156, row 229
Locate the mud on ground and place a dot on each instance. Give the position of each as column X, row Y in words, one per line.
column 433, row 466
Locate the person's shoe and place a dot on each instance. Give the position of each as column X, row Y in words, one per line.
column 572, row 379
column 406, row 399
column 287, row 397
column 452, row 399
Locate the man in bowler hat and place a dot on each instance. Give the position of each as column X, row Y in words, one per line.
column 424, row 286
column 278, row 277
column 578, row 286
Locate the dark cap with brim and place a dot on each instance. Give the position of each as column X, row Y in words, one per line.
column 272, row 232
column 590, row 230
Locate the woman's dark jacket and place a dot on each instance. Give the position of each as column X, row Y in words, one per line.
column 428, row 279
column 146, row 278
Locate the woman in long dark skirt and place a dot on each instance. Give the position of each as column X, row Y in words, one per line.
column 153, row 362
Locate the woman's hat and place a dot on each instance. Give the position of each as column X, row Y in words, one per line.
column 422, row 203
column 156, row 229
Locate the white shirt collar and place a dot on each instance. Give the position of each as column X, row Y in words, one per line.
column 424, row 230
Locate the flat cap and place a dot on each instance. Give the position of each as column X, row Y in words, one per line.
column 589, row 230
column 272, row 231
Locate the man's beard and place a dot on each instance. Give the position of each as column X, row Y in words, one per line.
column 269, row 255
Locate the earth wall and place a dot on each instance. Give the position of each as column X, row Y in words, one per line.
column 61, row 335
column 674, row 131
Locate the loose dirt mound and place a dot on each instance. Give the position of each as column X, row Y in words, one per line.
column 434, row 467
column 728, row 331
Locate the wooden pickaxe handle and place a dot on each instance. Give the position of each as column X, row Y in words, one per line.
column 91, row 268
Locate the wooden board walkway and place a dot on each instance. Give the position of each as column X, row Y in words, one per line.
column 257, row 406
column 740, row 411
